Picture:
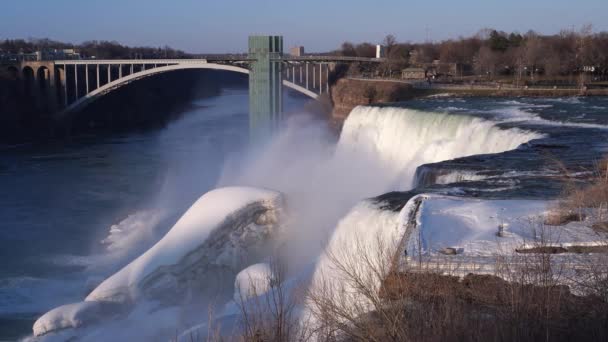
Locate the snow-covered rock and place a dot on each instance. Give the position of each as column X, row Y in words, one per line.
column 224, row 231
column 218, row 233
column 73, row 316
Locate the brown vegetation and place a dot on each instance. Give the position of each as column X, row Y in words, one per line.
column 488, row 308
column 587, row 202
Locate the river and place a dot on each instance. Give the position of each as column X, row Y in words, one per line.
column 59, row 200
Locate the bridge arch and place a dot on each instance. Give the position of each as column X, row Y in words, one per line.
column 43, row 78
column 115, row 84
column 29, row 78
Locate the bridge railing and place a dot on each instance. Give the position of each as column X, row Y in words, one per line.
column 326, row 58
column 216, row 58
column 129, row 61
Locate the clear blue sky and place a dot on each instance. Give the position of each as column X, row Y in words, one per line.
column 319, row 25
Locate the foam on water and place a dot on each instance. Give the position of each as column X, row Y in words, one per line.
column 517, row 111
column 458, row 176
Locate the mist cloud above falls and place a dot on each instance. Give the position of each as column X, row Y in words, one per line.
column 320, row 185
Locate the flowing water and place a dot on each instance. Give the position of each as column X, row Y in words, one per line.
column 72, row 213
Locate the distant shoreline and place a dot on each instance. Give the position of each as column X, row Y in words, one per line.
column 474, row 91
column 486, row 90
column 347, row 93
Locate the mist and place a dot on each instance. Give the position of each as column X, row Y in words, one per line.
column 300, row 161
column 378, row 151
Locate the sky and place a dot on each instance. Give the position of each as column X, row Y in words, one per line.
column 222, row 26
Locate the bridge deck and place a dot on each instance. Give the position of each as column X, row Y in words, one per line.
column 131, row 61
column 211, row 59
column 331, row 59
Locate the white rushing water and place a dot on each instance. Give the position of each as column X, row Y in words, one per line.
column 323, row 184
column 403, row 139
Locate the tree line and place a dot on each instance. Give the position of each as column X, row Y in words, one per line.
column 495, row 53
column 101, row 49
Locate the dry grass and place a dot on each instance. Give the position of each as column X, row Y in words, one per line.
column 588, row 202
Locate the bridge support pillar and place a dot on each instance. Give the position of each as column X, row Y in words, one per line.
column 265, row 85
column 63, row 74
column 53, row 93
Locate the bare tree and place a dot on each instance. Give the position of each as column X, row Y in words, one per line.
column 268, row 310
column 534, row 53
column 348, row 49
column 486, row 61
column 389, row 42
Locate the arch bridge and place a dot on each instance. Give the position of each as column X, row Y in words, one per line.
column 66, row 86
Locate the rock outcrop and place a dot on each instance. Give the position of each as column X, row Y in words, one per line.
column 347, row 93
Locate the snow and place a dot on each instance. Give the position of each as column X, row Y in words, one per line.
column 252, row 281
column 471, row 225
column 190, row 231
column 145, row 323
column 124, row 235
column 71, row 316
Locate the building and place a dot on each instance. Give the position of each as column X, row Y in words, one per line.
column 17, row 57
column 380, row 51
column 297, row 51
column 413, row 74
column 54, row 54
column 447, row 70
column 45, row 55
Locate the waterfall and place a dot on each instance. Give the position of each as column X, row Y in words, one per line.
column 402, row 139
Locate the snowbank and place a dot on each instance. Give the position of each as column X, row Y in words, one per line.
column 480, row 230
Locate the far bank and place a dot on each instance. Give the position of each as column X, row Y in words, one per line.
column 347, row 93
